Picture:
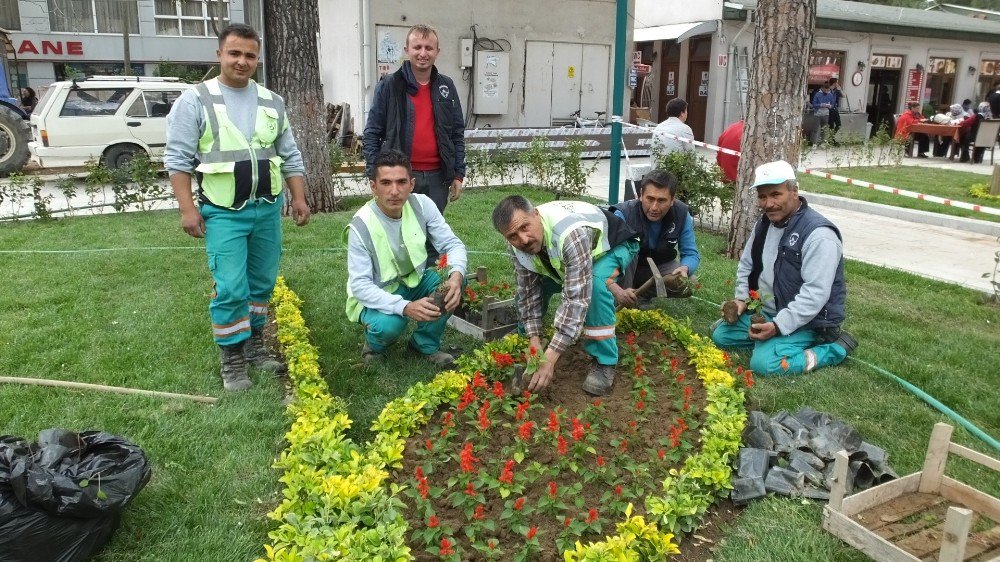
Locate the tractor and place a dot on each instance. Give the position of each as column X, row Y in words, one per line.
column 15, row 132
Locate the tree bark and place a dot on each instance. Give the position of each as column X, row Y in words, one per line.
column 995, row 180
column 292, row 31
column 773, row 127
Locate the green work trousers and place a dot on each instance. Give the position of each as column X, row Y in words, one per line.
column 382, row 330
column 800, row 350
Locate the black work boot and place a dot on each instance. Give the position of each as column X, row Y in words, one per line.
column 846, row 341
column 600, row 379
column 234, row 368
column 256, row 354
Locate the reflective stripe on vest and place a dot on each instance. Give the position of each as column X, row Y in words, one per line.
column 559, row 218
column 386, row 258
column 232, row 171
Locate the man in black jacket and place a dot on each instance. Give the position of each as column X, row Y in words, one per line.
column 417, row 111
column 666, row 234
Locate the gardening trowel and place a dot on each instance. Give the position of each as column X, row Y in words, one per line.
column 517, row 382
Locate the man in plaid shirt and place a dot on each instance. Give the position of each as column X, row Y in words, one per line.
column 580, row 250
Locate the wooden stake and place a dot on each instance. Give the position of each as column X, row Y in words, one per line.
column 104, row 388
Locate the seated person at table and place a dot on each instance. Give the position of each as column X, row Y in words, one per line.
column 906, row 121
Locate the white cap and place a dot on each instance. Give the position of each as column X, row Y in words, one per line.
column 773, row 173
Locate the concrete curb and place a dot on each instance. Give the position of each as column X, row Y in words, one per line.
column 911, row 215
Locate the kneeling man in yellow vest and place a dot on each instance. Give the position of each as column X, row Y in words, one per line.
column 388, row 283
column 578, row 249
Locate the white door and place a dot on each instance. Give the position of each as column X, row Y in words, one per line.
column 594, row 80
column 538, row 84
column 567, row 60
column 146, row 118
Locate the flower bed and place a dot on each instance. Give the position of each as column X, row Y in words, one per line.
column 340, row 504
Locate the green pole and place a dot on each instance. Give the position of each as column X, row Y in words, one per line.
column 617, row 97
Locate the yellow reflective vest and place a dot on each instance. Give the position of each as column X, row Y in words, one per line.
column 232, row 171
column 559, row 218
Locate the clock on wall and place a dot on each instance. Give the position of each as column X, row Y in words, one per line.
column 857, row 78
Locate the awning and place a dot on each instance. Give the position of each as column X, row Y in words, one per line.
column 676, row 31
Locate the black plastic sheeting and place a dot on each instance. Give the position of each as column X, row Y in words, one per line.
column 62, row 498
column 793, row 455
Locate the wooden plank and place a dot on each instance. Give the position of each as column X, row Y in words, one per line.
column 956, row 534
column 974, row 456
column 926, row 543
column 839, row 480
column 935, row 459
column 897, row 509
column 880, row 494
column 928, row 518
column 992, row 555
column 860, row 538
column 978, row 501
column 983, row 542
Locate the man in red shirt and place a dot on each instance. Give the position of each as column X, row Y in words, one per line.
column 731, row 138
column 417, row 111
column 905, row 122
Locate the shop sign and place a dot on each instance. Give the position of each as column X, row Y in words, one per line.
column 886, row 61
column 71, row 48
column 989, row 68
column 914, row 78
column 941, row 66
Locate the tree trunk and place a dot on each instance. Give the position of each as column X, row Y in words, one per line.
column 773, row 128
column 995, row 180
column 292, row 28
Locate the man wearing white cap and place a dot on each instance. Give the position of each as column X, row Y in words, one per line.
column 794, row 261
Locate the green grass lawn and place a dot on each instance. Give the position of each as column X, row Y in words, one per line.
column 950, row 184
column 138, row 318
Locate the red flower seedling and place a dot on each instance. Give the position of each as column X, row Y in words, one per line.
column 748, row 379
column 531, row 533
column 467, row 460
column 446, row 549
column 468, row 397
column 433, row 522
column 429, row 445
column 600, row 461
column 532, row 360
column 502, row 360
column 507, row 474
column 498, row 390
column 484, row 420
column 524, row 430
column 553, row 422
column 470, row 490
column 478, row 381
column 578, row 431
column 553, row 490
column 480, row 513
column 562, row 446
column 592, row 516
column 519, row 504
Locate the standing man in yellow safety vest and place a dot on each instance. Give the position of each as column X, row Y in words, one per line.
column 233, row 135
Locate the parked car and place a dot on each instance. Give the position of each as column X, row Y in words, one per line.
column 105, row 118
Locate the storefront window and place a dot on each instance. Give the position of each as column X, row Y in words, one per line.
column 10, row 18
column 824, row 65
column 93, row 16
column 989, row 74
column 81, row 70
column 191, row 18
column 941, row 82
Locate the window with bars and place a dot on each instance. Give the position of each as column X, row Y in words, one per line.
column 93, row 16
column 191, row 18
column 10, row 18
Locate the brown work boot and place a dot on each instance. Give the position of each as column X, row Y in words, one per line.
column 600, row 379
column 730, row 311
column 234, row 368
column 257, row 356
column 438, row 358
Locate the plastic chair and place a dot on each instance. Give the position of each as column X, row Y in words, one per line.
column 986, row 136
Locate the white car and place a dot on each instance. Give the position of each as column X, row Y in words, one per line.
column 104, row 118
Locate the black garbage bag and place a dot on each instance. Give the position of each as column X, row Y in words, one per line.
column 62, row 498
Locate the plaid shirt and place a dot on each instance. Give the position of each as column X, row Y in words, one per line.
column 576, row 291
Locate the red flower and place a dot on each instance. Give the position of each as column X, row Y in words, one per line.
column 553, row 422
column 466, row 459
column 591, row 516
column 640, row 405
column 419, row 472
column 567, row 521
column 468, row 397
column 423, row 488
column 478, row 381
column 532, row 351
column 522, row 409
column 446, row 549
column 624, row 445
column 754, row 294
column 687, row 392
column 618, row 490
column 642, row 393
column 479, row 515
column 630, row 339
column 600, row 460
column 498, row 390
column 429, row 444
column 562, row 447
column 470, row 293
column 484, row 420
column 673, row 363
column 525, row 430
column 519, row 503
column 661, row 453
column 725, row 357
column 470, row 490
column 675, row 435
column 632, row 424
column 531, row 533
column 442, row 261
column 552, row 490
column 748, row 378
column 597, row 403
column 433, row 522
column 507, row 474
column 578, row 431
column 503, row 360
column 680, row 376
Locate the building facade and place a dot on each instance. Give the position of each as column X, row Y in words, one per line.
column 883, row 56
column 516, row 64
column 62, row 39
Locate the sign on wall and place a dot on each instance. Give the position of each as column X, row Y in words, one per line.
column 886, row 61
column 914, row 78
column 389, row 45
column 941, row 66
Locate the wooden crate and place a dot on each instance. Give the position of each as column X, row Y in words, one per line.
column 491, row 326
column 921, row 517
